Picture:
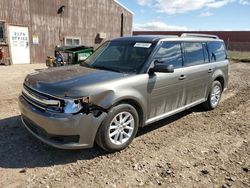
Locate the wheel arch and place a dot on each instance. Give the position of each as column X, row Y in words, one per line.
column 221, row 77
column 136, row 105
column 221, row 80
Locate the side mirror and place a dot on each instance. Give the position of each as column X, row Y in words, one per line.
column 161, row 67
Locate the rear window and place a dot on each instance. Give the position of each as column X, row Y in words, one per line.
column 194, row 53
column 217, row 51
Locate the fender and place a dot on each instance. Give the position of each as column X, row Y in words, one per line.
column 109, row 98
column 221, row 70
column 218, row 73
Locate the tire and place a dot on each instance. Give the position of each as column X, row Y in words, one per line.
column 119, row 128
column 214, row 96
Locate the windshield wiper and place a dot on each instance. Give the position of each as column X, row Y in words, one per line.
column 107, row 68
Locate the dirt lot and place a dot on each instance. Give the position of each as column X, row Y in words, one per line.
column 192, row 149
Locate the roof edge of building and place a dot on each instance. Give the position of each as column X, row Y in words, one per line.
column 123, row 6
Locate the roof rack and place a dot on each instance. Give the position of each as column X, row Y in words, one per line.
column 199, row 35
column 157, row 36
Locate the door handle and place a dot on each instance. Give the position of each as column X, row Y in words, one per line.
column 210, row 70
column 182, row 77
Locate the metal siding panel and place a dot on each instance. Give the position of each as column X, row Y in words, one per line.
column 82, row 18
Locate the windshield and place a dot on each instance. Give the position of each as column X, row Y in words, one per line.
column 120, row 56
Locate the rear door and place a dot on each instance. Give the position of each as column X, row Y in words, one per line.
column 196, row 73
column 218, row 58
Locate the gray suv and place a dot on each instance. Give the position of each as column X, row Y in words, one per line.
column 125, row 84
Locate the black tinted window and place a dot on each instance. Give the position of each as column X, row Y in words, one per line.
column 1, row 32
column 194, row 53
column 170, row 53
column 217, row 51
column 206, row 55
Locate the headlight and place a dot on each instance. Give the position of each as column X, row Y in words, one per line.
column 72, row 106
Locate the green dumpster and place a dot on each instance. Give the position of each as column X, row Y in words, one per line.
column 69, row 55
column 78, row 54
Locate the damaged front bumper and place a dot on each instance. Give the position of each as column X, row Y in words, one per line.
column 60, row 130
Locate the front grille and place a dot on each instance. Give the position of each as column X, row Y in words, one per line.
column 42, row 101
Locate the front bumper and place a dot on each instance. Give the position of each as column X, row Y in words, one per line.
column 65, row 131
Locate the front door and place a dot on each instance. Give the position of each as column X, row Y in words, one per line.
column 19, row 44
column 166, row 89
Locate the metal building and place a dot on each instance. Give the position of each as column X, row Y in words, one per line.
column 30, row 29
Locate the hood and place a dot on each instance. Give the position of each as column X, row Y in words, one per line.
column 60, row 81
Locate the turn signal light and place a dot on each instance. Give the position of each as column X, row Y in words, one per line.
column 85, row 99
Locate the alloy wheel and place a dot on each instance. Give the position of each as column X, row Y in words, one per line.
column 121, row 128
column 215, row 95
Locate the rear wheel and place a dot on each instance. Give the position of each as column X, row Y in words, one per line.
column 119, row 128
column 214, row 96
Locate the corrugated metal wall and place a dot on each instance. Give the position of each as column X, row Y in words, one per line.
column 82, row 18
column 235, row 40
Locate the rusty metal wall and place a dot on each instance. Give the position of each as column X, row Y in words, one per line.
column 235, row 40
column 83, row 19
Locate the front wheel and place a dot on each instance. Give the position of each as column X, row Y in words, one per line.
column 214, row 96
column 119, row 128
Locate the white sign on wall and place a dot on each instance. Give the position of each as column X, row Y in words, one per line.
column 35, row 39
column 19, row 44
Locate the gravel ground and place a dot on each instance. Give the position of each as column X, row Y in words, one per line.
column 192, row 149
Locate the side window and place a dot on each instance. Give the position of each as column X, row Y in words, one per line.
column 194, row 53
column 217, row 51
column 206, row 54
column 170, row 53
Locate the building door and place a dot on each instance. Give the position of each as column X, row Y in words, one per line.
column 19, row 44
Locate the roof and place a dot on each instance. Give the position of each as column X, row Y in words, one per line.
column 156, row 38
column 145, row 38
column 126, row 8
